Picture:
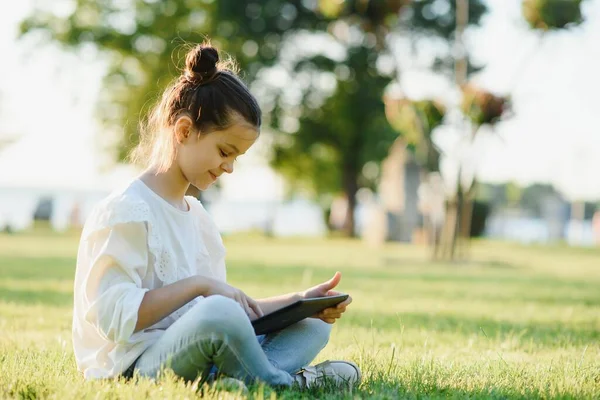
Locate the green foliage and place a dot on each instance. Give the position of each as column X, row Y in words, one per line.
column 439, row 16
column 141, row 39
column 533, row 197
column 545, row 15
column 416, row 121
column 432, row 113
column 481, row 211
column 341, row 136
column 513, row 193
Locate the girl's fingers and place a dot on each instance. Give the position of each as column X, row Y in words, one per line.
column 330, row 315
column 333, row 311
column 345, row 303
column 247, row 308
column 339, row 310
column 240, row 300
column 255, row 307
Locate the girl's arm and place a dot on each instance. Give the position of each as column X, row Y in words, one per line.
column 270, row 304
column 158, row 303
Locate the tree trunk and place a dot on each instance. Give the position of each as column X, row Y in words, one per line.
column 462, row 20
column 451, row 241
column 444, row 250
column 466, row 221
column 350, row 189
column 456, row 242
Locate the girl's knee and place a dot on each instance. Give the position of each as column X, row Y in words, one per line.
column 219, row 314
column 219, row 303
column 317, row 328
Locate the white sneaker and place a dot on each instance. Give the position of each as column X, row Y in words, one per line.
column 336, row 373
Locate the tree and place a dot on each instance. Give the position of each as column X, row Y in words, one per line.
column 330, row 150
column 140, row 38
column 482, row 109
column 338, row 137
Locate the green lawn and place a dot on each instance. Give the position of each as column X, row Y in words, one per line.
column 513, row 322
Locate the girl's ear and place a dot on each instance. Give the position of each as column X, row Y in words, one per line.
column 183, row 128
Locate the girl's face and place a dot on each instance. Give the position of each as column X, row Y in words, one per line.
column 202, row 158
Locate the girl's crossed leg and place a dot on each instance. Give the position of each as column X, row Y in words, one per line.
column 217, row 334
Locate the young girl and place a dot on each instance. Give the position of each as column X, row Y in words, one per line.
column 150, row 288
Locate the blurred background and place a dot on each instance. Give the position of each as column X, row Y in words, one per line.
column 424, row 121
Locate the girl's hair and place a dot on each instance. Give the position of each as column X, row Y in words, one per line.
column 209, row 92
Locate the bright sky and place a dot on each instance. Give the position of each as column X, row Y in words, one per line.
column 47, row 98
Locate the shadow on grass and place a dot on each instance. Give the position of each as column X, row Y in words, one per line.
column 557, row 333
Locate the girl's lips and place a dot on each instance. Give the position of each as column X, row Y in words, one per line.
column 213, row 176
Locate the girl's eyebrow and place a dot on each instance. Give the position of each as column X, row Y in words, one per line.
column 233, row 147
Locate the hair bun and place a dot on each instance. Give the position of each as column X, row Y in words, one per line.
column 201, row 64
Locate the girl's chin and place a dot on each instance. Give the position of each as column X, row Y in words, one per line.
column 203, row 185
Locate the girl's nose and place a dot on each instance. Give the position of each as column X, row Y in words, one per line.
column 227, row 167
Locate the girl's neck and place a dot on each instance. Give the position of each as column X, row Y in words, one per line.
column 171, row 185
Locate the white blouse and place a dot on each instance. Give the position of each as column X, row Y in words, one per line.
column 132, row 242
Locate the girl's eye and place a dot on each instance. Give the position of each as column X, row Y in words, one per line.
column 223, row 154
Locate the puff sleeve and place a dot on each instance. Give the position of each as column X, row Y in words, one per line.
column 113, row 287
column 113, row 260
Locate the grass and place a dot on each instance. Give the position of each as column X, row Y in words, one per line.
column 513, row 322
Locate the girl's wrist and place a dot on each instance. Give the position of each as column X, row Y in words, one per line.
column 201, row 285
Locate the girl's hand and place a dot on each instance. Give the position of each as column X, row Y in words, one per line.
column 331, row 314
column 249, row 305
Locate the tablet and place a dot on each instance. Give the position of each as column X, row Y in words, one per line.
column 295, row 312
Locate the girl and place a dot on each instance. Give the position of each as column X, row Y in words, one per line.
column 150, row 289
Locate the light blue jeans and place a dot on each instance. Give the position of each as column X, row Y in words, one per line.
column 217, row 336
